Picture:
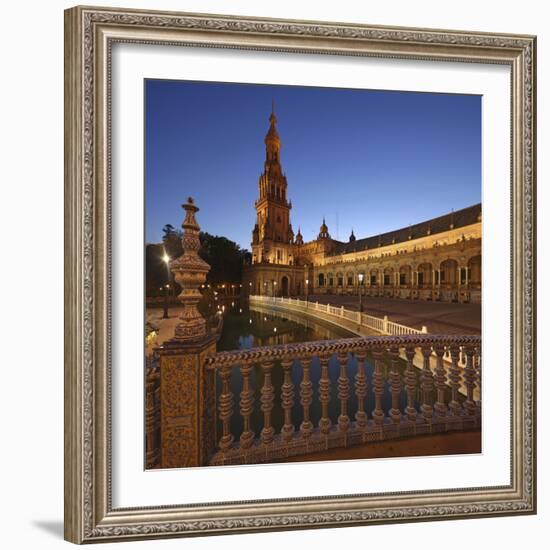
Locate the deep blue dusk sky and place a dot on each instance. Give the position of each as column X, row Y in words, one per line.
column 368, row 160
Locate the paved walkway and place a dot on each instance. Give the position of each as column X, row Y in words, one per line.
column 439, row 317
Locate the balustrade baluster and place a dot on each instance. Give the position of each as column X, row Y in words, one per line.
column 324, row 395
column 469, row 381
column 343, row 393
column 478, row 378
column 267, row 398
column 395, row 382
column 287, row 398
column 440, row 381
column 361, row 390
column 454, row 380
column 410, row 383
column 226, row 409
column 378, row 386
column 246, row 407
column 306, row 394
column 427, row 385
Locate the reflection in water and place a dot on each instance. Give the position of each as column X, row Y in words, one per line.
column 246, row 327
column 251, row 326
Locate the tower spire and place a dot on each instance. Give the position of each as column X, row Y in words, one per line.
column 272, row 139
column 273, row 206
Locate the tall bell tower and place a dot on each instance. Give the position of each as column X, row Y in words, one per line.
column 273, row 229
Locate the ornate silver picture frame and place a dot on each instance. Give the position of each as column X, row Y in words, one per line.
column 90, row 34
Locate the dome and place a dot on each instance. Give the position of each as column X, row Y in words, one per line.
column 323, row 231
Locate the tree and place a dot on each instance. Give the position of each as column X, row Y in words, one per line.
column 156, row 272
column 225, row 257
column 172, row 241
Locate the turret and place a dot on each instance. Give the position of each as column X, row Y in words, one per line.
column 323, row 231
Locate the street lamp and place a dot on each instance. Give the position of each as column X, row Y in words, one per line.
column 307, row 289
column 166, row 291
column 166, row 260
column 360, row 277
column 274, row 288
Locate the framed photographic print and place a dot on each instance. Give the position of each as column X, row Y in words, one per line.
column 285, row 244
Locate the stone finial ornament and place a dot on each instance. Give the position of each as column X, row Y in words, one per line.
column 190, row 272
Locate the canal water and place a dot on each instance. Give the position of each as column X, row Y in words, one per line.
column 247, row 326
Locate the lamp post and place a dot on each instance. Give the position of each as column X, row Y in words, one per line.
column 166, row 260
column 360, row 277
column 166, row 293
column 307, row 289
column 274, row 288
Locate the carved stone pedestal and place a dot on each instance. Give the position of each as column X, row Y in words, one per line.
column 187, row 389
column 188, row 404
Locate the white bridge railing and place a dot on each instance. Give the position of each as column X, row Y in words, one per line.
column 380, row 324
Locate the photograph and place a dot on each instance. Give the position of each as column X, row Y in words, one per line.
column 313, row 273
column 300, row 272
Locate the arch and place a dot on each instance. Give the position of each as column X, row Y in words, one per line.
column 425, row 275
column 321, row 279
column 405, row 275
column 474, row 271
column 388, row 276
column 373, row 277
column 448, row 272
column 284, row 285
column 350, row 278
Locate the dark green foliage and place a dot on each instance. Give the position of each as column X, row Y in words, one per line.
column 224, row 256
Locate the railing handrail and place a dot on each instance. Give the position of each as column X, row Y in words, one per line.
column 329, row 347
column 377, row 323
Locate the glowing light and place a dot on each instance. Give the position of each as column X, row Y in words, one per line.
column 165, row 258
